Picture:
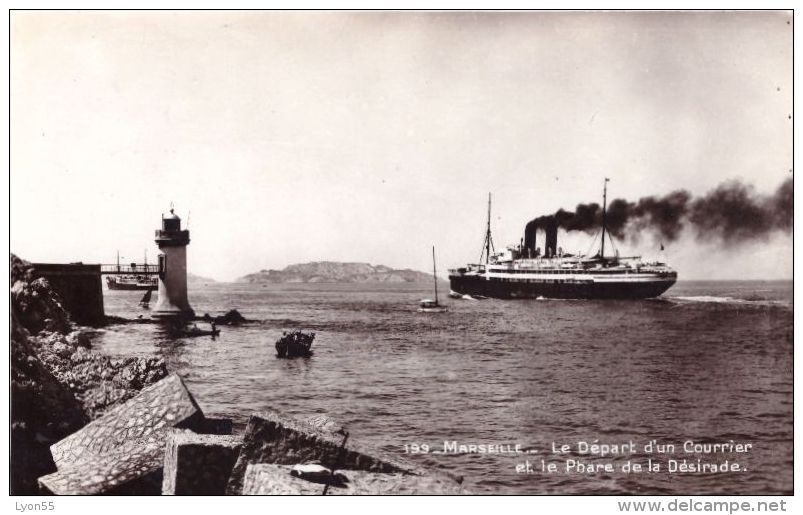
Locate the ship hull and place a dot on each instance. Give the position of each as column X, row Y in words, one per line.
column 501, row 289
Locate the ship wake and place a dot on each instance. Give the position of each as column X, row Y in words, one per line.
column 728, row 300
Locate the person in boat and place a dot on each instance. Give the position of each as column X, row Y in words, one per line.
column 213, row 326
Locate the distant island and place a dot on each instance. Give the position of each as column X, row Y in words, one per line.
column 197, row 279
column 334, row 272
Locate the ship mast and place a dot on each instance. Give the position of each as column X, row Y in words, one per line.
column 435, row 274
column 604, row 209
column 488, row 240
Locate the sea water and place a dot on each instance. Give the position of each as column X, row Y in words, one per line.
column 707, row 363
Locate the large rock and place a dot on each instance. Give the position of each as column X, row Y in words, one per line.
column 43, row 411
column 232, row 317
column 39, row 401
column 123, row 451
column 270, row 479
column 19, row 269
column 271, row 438
column 153, row 412
column 134, row 467
column 97, row 381
column 199, row 464
column 57, row 384
column 38, row 307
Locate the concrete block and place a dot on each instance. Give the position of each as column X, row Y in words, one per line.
column 271, row 479
column 271, row 438
column 324, row 423
column 149, row 415
column 214, row 426
column 132, row 468
column 199, row 464
column 123, row 451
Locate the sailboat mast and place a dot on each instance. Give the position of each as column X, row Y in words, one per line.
column 604, row 209
column 434, row 274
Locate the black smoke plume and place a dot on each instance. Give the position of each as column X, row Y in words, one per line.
column 732, row 212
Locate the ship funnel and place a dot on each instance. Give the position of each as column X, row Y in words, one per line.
column 529, row 239
column 551, row 243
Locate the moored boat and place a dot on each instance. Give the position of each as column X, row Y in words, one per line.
column 132, row 281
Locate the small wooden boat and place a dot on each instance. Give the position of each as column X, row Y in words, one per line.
column 429, row 305
column 194, row 331
column 295, row 345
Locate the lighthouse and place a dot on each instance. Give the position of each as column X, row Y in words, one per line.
column 172, row 241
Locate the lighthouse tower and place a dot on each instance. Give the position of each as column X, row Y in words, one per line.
column 172, row 241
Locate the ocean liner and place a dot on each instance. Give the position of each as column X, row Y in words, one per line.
column 524, row 272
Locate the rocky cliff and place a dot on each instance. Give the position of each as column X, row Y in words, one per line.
column 335, row 272
column 57, row 383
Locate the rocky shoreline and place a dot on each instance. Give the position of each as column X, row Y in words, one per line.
column 58, row 384
column 83, row 423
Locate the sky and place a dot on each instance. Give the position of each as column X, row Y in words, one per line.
column 288, row 137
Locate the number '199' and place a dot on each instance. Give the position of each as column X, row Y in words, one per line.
column 414, row 448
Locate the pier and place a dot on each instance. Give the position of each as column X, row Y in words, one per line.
column 80, row 287
column 131, row 269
